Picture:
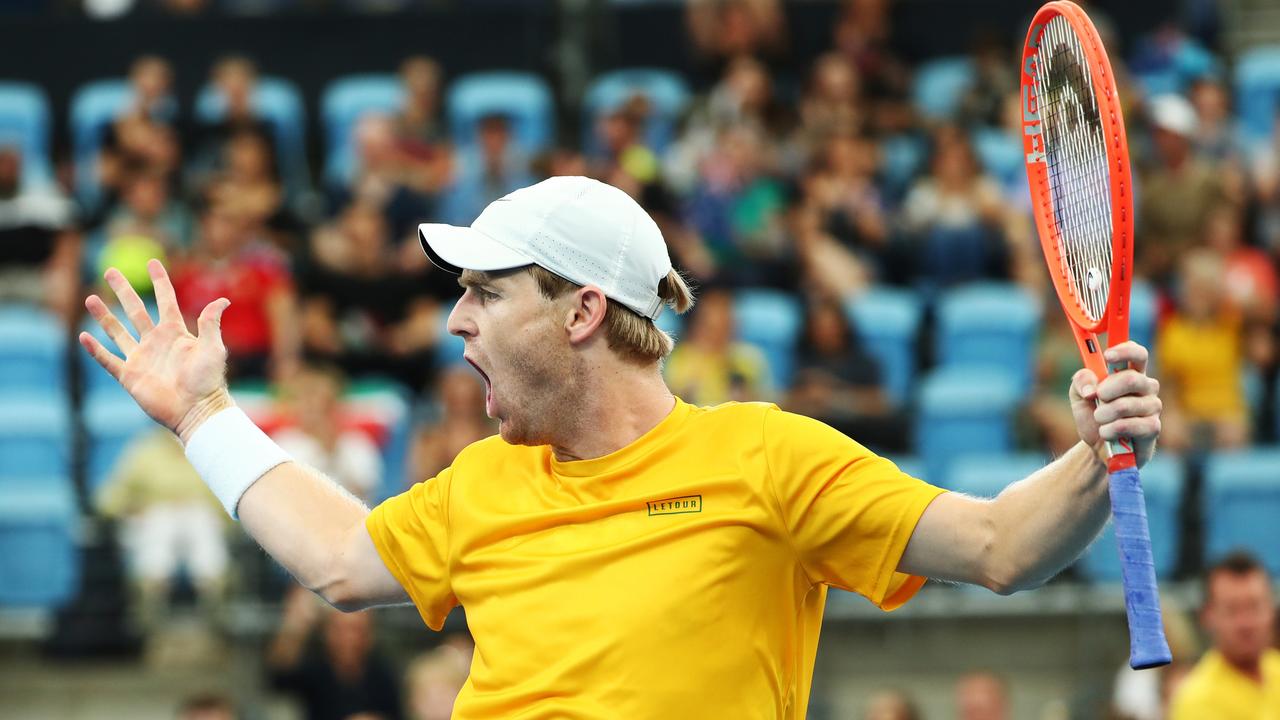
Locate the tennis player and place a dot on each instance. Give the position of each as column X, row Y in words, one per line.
column 619, row 553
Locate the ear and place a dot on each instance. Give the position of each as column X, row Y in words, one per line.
column 586, row 314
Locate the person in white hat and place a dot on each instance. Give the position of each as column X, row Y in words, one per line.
column 619, row 552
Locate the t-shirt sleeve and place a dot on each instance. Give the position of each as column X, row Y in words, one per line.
column 848, row 512
column 411, row 534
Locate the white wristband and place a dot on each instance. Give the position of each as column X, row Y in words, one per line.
column 231, row 453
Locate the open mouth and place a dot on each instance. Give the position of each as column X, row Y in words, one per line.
column 488, row 385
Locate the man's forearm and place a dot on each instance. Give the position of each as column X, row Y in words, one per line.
column 1043, row 523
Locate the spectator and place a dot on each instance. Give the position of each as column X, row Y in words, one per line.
column 143, row 134
column 863, row 33
column 1178, row 193
column 207, row 706
column 360, row 312
column 39, row 248
column 982, row 696
column 625, row 161
column 235, row 79
column 723, row 29
column 1215, row 139
column 248, row 185
column 346, row 675
column 388, row 179
column 1049, row 411
column 315, row 434
column 259, row 328
column 994, row 80
column 890, row 705
column 433, row 680
column 423, row 137
column 170, row 523
column 1239, row 678
column 832, row 103
column 837, row 382
column 461, row 421
column 954, row 215
column 1201, row 362
column 1252, row 286
column 149, row 211
column 493, row 168
column 710, row 367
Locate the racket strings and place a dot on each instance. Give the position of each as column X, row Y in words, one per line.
column 1076, row 159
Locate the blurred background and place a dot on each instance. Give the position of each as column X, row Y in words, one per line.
column 842, row 180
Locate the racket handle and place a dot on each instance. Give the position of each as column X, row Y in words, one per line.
column 1147, row 645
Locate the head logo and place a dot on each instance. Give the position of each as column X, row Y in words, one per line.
column 676, row 505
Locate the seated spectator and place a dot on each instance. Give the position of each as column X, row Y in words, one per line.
column 388, row 179
column 1252, row 286
column 343, row 674
column 422, row 133
column 493, row 168
column 433, row 680
column 994, row 80
column 624, row 160
column 207, row 706
column 247, row 183
column 837, row 382
column 228, row 260
column 954, row 216
column 148, row 210
column 1049, row 409
column 1201, row 362
column 235, row 79
column 1239, row 678
column 832, row 103
column 39, row 247
column 143, row 134
column 1179, row 191
column 314, row 434
column 361, row 312
column 461, row 421
column 724, row 29
column 982, row 696
column 863, row 33
column 170, row 523
column 1215, row 139
column 709, row 366
column 890, row 705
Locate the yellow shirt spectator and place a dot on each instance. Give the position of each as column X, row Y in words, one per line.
column 683, row 576
column 1204, row 361
column 740, row 372
column 1217, row 691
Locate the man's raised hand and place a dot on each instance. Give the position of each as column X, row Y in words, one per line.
column 177, row 378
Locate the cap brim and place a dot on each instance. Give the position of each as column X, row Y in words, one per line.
column 454, row 249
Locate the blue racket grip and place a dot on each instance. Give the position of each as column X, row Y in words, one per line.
column 1147, row 645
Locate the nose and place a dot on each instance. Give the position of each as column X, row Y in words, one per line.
column 460, row 322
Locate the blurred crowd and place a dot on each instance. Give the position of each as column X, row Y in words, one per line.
column 821, row 186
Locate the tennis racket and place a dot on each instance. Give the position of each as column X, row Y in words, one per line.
column 1077, row 161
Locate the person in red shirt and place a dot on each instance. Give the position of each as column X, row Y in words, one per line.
column 259, row 327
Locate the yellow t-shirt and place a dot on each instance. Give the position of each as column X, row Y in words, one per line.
column 1214, row 690
column 1204, row 360
column 683, row 576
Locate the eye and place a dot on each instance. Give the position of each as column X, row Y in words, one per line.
column 485, row 295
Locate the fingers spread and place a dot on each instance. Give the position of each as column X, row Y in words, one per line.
column 129, row 300
column 1130, row 353
column 1125, row 382
column 166, row 300
column 115, row 330
column 209, row 323
column 109, row 362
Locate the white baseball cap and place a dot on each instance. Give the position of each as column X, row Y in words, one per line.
column 1173, row 113
column 583, row 230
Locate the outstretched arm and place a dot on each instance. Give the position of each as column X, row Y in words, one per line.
column 302, row 519
column 1039, row 525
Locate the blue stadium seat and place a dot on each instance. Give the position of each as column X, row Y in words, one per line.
column 887, row 321
column 35, row 435
column 911, row 465
column 901, row 158
column 989, row 324
column 524, row 98
column 39, row 560
column 964, row 410
column 1001, row 155
column 279, row 102
column 342, row 104
column 111, row 420
column 987, row 475
column 770, row 320
column 940, row 85
column 33, row 351
column 25, row 123
column 1143, row 310
column 93, row 108
column 666, row 91
column 670, row 322
column 1163, row 480
column 1242, row 492
column 1257, row 91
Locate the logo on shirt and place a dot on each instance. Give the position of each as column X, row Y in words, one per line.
column 676, row 505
